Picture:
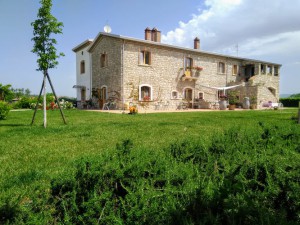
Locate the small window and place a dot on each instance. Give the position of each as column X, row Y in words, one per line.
column 145, row 93
column 82, row 67
column 234, row 70
column 221, row 94
column 276, row 71
column 221, row 67
column 201, row 95
column 263, row 69
column 145, row 58
column 103, row 60
column 269, row 69
column 174, row 95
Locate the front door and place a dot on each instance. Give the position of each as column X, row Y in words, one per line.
column 83, row 95
column 188, row 95
column 102, row 99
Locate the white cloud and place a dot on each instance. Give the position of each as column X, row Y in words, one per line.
column 267, row 30
column 224, row 23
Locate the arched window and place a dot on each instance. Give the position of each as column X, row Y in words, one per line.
column 103, row 60
column 221, row 67
column 200, row 95
column 82, row 67
column 174, row 95
column 145, row 92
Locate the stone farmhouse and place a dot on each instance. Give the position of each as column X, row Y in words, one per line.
column 123, row 71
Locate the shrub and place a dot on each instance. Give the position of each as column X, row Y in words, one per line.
column 24, row 103
column 4, row 110
column 290, row 102
column 242, row 176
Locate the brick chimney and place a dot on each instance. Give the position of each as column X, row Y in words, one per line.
column 148, row 35
column 156, row 35
column 196, row 43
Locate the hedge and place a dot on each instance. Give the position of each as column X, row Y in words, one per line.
column 290, row 102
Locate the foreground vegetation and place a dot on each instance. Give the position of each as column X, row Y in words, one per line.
column 182, row 168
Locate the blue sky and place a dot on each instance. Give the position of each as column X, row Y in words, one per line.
column 263, row 29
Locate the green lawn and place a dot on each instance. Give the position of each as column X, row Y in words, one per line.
column 31, row 156
column 44, row 153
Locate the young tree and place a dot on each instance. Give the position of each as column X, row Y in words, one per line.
column 43, row 28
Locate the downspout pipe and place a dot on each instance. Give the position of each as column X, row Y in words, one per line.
column 91, row 73
column 122, row 75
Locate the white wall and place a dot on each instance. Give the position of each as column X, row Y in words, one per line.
column 83, row 79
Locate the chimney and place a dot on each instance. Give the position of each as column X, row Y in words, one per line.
column 156, row 35
column 196, row 43
column 148, row 34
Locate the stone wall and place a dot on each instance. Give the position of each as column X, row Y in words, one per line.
column 125, row 74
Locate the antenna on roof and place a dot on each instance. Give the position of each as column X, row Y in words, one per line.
column 237, row 49
column 107, row 28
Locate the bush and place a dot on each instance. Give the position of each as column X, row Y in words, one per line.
column 241, row 177
column 24, row 103
column 4, row 110
column 290, row 102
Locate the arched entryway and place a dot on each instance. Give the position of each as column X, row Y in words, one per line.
column 188, row 94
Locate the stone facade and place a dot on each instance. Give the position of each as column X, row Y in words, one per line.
column 169, row 75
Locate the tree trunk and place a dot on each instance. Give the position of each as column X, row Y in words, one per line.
column 37, row 103
column 45, row 102
column 299, row 113
column 57, row 101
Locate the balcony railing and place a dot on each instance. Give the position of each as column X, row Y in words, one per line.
column 190, row 75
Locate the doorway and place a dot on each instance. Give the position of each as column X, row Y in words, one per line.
column 188, row 96
column 103, row 97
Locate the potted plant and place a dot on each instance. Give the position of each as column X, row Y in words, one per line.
column 253, row 103
column 232, row 99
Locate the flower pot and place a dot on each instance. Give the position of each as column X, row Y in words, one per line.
column 222, row 104
column 231, row 107
column 246, row 103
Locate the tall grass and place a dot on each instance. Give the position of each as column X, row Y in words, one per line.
column 166, row 146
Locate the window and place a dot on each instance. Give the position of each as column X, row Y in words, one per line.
column 82, row 67
column 188, row 63
column 269, row 69
column 276, row 71
column 262, row 69
column 145, row 58
column 221, row 67
column 221, row 94
column 145, row 93
column 174, row 95
column 234, row 70
column 201, row 95
column 103, row 60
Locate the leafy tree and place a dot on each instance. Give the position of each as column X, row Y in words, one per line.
column 5, row 92
column 27, row 92
column 43, row 28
